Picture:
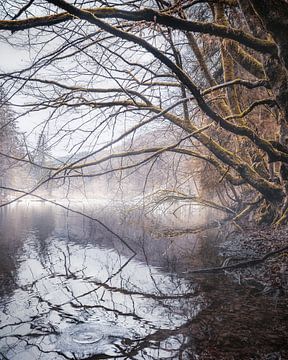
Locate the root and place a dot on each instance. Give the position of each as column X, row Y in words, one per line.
column 248, row 209
column 283, row 219
column 266, row 214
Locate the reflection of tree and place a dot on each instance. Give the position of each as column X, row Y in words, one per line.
column 157, row 315
column 18, row 224
column 11, row 245
column 107, row 286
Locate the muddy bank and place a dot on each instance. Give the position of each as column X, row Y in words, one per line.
column 267, row 251
column 246, row 316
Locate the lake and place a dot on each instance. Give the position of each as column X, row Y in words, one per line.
column 109, row 285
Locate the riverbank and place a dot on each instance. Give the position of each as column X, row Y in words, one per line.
column 246, row 315
column 269, row 275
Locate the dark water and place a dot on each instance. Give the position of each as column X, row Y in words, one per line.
column 72, row 289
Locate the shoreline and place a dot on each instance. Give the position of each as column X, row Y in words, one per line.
column 269, row 276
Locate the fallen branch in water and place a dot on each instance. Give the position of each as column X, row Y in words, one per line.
column 240, row 265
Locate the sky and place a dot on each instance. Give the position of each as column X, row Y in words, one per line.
column 11, row 58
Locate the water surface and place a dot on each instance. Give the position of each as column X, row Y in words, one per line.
column 72, row 289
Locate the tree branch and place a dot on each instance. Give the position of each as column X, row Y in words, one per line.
column 150, row 15
column 264, row 145
column 246, row 83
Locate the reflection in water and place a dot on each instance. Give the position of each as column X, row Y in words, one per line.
column 71, row 290
column 75, row 292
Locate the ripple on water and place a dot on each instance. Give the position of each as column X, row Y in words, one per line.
column 88, row 339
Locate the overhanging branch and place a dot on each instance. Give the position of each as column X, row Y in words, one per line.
column 263, row 46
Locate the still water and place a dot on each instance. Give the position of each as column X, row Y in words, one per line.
column 73, row 289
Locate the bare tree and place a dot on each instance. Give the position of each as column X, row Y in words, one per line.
column 211, row 73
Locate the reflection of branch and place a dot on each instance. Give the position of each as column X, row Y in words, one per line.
column 73, row 211
column 155, row 338
column 107, row 309
column 22, row 337
column 141, row 293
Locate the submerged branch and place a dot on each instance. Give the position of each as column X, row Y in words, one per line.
column 240, row 265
